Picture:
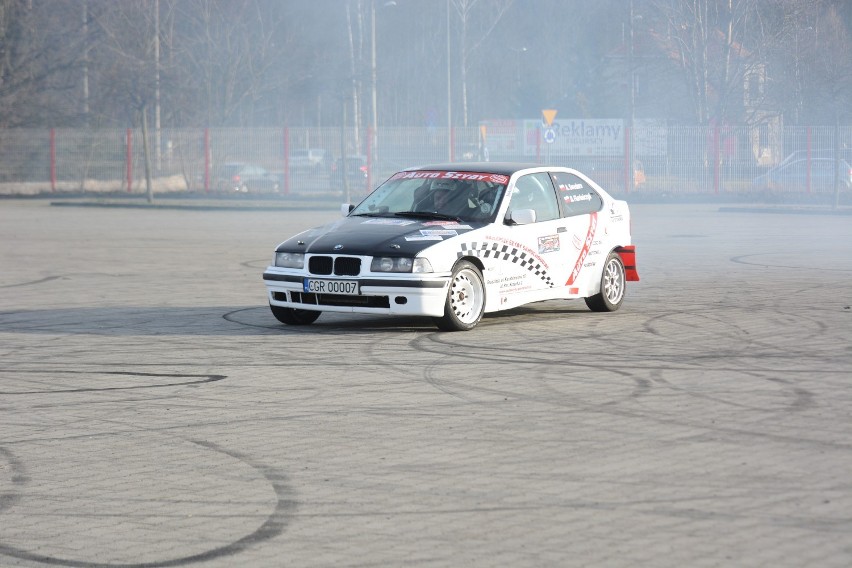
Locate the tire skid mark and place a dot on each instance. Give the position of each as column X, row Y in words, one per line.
column 435, row 345
column 203, row 378
column 33, row 282
column 444, row 385
column 426, row 344
column 18, row 478
column 641, row 386
column 258, row 263
column 59, row 277
column 274, row 525
column 802, row 398
column 739, row 260
column 359, row 324
column 768, row 338
column 229, row 316
column 456, row 387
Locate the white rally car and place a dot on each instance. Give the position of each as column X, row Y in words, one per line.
column 456, row 241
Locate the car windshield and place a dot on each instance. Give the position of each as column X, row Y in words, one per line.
column 441, row 195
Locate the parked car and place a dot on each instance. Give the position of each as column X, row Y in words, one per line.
column 355, row 170
column 238, row 177
column 793, row 175
column 309, row 159
column 454, row 242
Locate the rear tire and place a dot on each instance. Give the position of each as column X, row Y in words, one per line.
column 465, row 299
column 292, row 316
column 612, row 286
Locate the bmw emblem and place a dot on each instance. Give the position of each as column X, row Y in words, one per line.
column 338, row 247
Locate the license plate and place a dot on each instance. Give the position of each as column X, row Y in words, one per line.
column 344, row 287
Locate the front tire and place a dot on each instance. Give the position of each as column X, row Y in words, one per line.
column 612, row 286
column 292, row 316
column 465, row 299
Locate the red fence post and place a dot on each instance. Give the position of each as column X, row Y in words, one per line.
column 206, row 160
column 286, row 179
column 52, row 159
column 129, row 160
column 627, row 160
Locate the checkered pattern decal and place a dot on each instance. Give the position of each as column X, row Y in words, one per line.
column 499, row 251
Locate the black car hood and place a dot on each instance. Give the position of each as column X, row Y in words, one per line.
column 370, row 236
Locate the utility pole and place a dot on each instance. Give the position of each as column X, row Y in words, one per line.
column 632, row 105
column 449, row 92
column 86, row 62
column 375, row 136
column 157, row 135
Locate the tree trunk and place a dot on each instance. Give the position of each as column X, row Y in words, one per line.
column 837, row 161
column 146, row 150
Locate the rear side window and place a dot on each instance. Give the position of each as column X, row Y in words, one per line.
column 576, row 196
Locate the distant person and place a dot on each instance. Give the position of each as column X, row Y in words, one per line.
column 453, row 198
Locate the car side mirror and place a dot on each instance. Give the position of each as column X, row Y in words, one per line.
column 521, row 217
column 346, row 209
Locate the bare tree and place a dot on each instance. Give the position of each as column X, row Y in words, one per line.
column 38, row 74
column 715, row 45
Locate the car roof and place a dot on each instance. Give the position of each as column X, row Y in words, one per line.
column 504, row 168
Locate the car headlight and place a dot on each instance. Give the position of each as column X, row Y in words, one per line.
column 421, row 265
column 399, row 264
column 290, row 259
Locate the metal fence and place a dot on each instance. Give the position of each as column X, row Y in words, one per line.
column 309, row 161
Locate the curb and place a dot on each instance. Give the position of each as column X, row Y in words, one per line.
column 788, row 210
column 200, row 206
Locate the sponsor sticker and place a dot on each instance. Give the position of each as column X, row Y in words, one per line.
column 465, row 176
column 446, row 225
column 438, row 232
column 550, row 243
column 424, row 238
column 590, row 237
column 400, row 222
column 576, row 198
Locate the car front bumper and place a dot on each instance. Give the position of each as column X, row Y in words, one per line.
column 391, row 295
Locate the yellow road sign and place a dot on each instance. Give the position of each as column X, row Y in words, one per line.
column 549, row 114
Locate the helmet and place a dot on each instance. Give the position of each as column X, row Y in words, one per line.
column 442, row 185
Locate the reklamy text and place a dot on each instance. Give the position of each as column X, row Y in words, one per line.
column 580, row 132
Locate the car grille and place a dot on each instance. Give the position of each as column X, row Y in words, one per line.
column 340, row 265
column 334, row 300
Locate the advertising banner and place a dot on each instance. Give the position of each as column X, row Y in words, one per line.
column 574, row 137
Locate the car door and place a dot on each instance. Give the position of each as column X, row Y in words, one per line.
column 585, row 249
column 534, row 264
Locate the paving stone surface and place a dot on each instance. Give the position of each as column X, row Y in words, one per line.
column 154, row 413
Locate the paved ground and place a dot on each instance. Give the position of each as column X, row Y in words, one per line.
column 153, row 413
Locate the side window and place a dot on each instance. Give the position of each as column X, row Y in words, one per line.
column 535, row 191
column 575, row 195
